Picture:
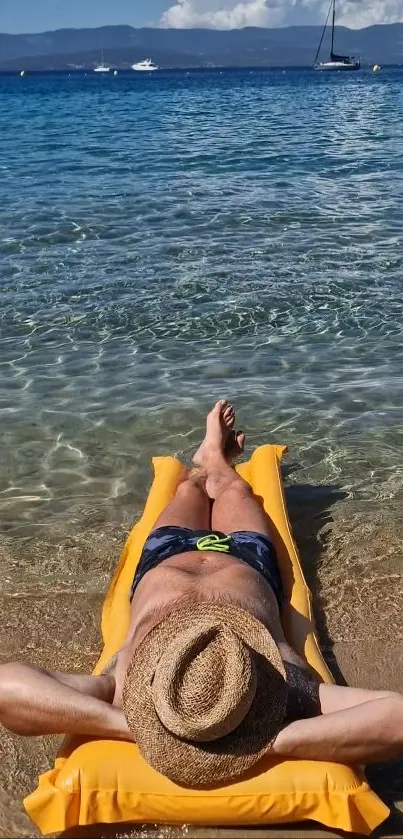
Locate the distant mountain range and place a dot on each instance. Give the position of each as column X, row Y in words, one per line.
column 67, row 49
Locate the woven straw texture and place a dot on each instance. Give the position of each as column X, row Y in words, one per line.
column 204, row 694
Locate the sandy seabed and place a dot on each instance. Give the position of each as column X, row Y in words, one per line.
column 51, row 593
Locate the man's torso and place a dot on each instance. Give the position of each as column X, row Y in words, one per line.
column 199, row 576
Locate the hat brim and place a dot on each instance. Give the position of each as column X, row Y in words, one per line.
column 220, row 761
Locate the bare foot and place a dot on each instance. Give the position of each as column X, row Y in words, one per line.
column 235, row 446
column 219, row 425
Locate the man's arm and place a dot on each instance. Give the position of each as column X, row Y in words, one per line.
column 369, row 732
column 35, row 701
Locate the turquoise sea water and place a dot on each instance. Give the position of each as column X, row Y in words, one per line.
column 171, row 238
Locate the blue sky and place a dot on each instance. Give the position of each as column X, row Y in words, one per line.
column 39, row 15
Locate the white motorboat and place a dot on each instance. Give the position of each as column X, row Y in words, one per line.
column 337, row 62
column 145, row 66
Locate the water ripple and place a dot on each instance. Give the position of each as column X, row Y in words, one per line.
column 164, row 242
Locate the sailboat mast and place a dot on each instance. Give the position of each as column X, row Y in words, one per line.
column 334, row 16
column 323, row 31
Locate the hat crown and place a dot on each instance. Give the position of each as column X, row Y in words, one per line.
column 204, row 683
column 198, row 671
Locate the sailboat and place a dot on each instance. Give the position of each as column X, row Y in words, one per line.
column 102, row 67
column 337, row 62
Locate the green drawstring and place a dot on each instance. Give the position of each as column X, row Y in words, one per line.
column 213, row 542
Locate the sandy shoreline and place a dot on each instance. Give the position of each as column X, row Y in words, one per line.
column 353, row 559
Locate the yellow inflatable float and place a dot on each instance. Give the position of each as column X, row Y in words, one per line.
column 108, row 781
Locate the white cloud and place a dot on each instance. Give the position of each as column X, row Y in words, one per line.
column 216, row 14
column 233, row 14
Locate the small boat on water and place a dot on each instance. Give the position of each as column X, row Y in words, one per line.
column 102, row 67
column 145, row 66
column 336, row 62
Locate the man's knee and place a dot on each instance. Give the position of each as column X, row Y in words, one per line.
column 189, row 487
column 237, row 488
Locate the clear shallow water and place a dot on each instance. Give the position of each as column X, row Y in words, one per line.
column 169, row 239
column 164, row 241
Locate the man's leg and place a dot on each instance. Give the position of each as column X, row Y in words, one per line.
column 234, row 507
column 191, row 505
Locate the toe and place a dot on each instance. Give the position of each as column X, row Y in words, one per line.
column 231, row 442
column 240, row 438
column 229, row 416
column 220, row 406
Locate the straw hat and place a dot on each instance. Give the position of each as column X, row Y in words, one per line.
column 204, row 694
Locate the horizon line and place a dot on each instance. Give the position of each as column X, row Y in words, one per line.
column 196, row 28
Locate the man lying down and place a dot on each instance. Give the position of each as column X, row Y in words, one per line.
column 205, row 681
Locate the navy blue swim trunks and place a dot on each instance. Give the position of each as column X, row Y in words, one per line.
column 256, row 550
